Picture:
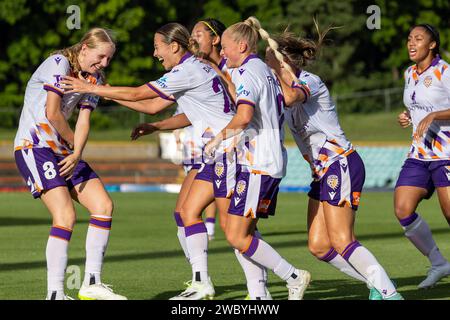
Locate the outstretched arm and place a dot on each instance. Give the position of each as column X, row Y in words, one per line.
column 172, row 123
column 148, row 106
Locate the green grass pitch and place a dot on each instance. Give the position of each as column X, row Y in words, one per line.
column 144, row 260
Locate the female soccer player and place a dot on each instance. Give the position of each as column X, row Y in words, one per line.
column 261, row 154
column 337, row 169
column 427, row 98
column 48, row 155
column 197, row 89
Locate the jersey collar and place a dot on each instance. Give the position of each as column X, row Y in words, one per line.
column 186, row 56
column 251, row 56
column 434, row 63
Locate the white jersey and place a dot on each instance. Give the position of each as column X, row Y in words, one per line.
column 315, row 126
column 261, row 147
column 424, row 93
column 35, row 131
column 197, row 89
column 192, row 145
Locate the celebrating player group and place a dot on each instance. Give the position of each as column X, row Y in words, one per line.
column 233, row 106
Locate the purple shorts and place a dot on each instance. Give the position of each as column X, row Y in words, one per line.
column 40, row 170
column 189, row 167
column 424, row 174
column 254, row 195
column 222, row 174
column 342, row 183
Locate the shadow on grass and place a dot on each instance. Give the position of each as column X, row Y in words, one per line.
column 335, row 289
column 19, row 222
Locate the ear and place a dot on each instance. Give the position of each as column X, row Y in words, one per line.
column 242, row 46
column 216, row 41
column 433, row 45
column 175, row 47
column 83, row 48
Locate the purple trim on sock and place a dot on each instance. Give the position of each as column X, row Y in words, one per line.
column 60, row 233
column 349, row 249
column 194, row 229
column 252, row 247
column 212, row 220
column 329, row 255
column 178, row 220
column 101, row 223
column 407, row 221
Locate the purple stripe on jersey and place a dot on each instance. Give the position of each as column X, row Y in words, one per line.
column 100, row 223
column 222, row 63
column 435, row 61
column 252, row 56
column 34, row 136
column 250, row 103
column 212, row 220
column 329, row 255
column 407, row 221
column 60, row 233
column 252, row 247
column 49, row 88
column 160, row 93
column 186, row 56
column 194, row 229
column 178, row 220
column 349, row 249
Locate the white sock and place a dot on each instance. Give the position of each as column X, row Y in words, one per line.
column 197, row 247
column 181, row 234
column 336, row 260
column 56, row 254
column 210, row 226
column 266, row 275
column 419, row 233
column 96, row 243
column 254, row 274
column 367, row 265
column 261, row 252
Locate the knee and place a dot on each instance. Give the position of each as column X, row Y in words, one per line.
column 66, row 221
column 318, row 248
column 403, row 209
column 223, row 225
column 105, row 208
column 339, row 243
column 237, row 242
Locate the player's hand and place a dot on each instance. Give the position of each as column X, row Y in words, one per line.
column 142, row 130
column 71, row 84
column 404, row 119
column 211, row 147
column 423, row 125
column 68, row 165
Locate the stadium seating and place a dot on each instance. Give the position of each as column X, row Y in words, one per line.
column 382, row 164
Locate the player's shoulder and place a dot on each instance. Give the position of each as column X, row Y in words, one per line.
column 307, row 76
column 55, row 61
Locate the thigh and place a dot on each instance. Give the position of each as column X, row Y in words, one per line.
column 92, row 195
column 317, row 228
column 59, row 203
column 200, row 195
column 185, row 186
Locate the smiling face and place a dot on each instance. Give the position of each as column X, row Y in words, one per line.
column 95, row 59
column 233, row 51
column 420, row 44
column 201, row 35
column 165, row 53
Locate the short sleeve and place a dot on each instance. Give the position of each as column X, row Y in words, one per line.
column 445, row 76
column 309, row 84
column 173, row 83
column 52, row 71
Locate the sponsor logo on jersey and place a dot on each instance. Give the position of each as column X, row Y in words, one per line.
column 241, row 71
column 219, row 169
column 241, row 91
column 356, row 198
column 58, row 60
column 333, row 181
column 162, row 82
column 236, row 201
column 58, row 78
column 240, row 187
column 332, row 195
column 218, row 183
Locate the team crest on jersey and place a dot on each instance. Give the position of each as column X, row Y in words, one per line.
column 219, row 169
column 427, row 82
column 333, row 181
column 240, row 187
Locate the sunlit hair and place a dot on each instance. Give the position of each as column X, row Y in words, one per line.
column 175, row 32
column 92, row 39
